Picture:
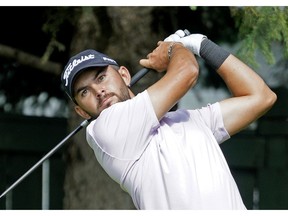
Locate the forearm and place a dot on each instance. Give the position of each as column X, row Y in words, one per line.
column 181, row 71
column 240, row 79
column 181, row 75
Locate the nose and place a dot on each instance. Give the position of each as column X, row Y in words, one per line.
column 99, row 90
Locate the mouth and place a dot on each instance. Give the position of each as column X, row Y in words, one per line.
column 106, row 101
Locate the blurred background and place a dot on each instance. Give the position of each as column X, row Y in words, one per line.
column 35, row 114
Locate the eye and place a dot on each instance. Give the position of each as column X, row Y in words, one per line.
column 84, row 92
column 101, row 77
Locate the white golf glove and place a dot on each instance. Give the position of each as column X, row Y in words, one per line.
column 192, row 41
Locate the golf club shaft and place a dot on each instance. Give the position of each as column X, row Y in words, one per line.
column 135, row 79
column 83, row 124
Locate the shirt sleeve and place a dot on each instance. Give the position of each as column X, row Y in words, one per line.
column 123, row 130
column 212, row 116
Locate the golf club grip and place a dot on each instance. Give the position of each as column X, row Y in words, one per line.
column 144, row 71
column 139, row 75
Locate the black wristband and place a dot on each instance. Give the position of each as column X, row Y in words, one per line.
column 213, row 54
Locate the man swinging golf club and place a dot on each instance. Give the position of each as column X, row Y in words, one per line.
column 163, row 159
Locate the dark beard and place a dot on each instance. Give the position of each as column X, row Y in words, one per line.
column 124, row 95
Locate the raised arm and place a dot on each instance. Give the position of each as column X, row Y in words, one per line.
column 251, row 97
column 181, row 74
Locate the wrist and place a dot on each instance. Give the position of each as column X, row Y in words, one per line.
column 213, row 54
column 172, row 47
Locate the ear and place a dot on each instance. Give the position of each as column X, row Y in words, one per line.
column 82, row 112
column 124, row 73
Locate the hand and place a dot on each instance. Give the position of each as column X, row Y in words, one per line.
column 158, row 59
column 192, row 41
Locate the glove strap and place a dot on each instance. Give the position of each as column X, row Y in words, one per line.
column 213, row 54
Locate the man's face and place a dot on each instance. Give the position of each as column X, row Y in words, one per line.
column 98, row 88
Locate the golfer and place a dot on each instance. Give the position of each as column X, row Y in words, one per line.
column 165, row 159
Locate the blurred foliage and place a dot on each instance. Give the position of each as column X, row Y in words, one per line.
column 258, row 28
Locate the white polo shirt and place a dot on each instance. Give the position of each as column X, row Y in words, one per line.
column 172, row 164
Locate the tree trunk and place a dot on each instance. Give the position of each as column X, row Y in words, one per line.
column 122, row 33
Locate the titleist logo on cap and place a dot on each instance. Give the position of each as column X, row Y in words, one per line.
column 99, row 60
column 73, row 64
